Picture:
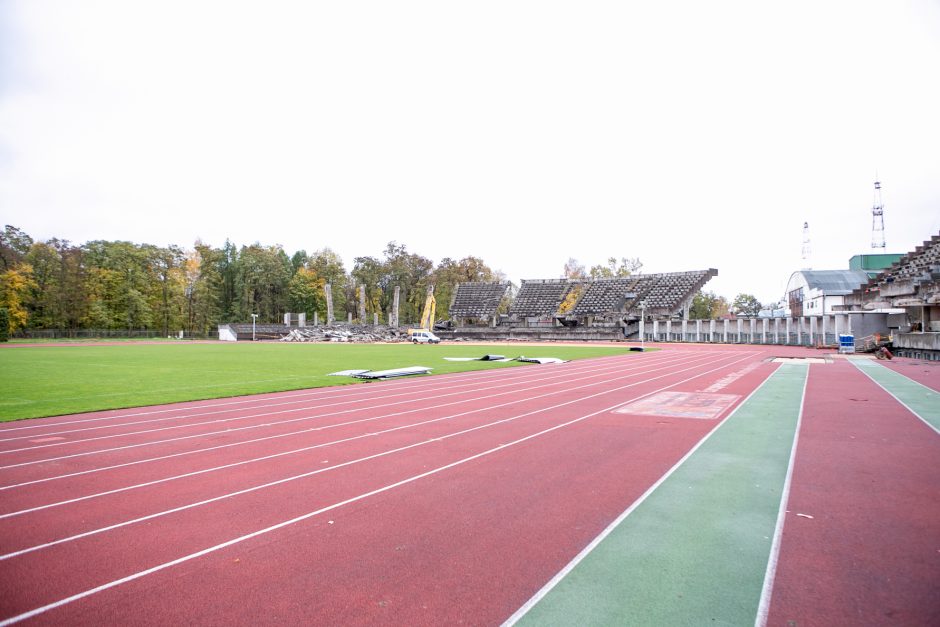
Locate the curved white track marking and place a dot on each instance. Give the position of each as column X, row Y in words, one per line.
column 201, row 435
column 324, row 444
column 288, row 434
column 339, row 401
column 265, row 397
column 266, row 530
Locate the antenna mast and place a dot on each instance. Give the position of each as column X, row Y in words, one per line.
column 877, row 219
column 806, row 246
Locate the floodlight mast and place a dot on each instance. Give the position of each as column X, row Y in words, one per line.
column 877, row 219
column 253, row 318
column 807, row 251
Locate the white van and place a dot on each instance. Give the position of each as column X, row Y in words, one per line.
column 424, row 337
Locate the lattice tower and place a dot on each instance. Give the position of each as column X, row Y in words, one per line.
column 877, row 219
column 807, row 251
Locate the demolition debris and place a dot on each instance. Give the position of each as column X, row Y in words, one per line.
column 346, row 333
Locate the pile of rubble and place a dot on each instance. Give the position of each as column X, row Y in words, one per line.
column 346, row 333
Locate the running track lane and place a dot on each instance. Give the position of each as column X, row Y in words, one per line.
column 121, row 469
column 860, row 540
column 111, row 508
column 459, row 527
column 695, row 549
column 240, row 421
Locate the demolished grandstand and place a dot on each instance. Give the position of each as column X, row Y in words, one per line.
column 576, row 309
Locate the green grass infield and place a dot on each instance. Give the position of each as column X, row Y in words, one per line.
column 53, row 380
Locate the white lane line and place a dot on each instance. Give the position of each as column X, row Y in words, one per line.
column 871, row 364
column 228, row 431
column 292, row 521
column 763, row 608
column 338, row 402
column 251, row 441
column 356, row 461
column 264, row 398
column 353, row 392
column 349, row 439
column 561, row 574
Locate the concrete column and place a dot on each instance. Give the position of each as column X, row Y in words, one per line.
column 642, row 330
column 375, row 319
column 776, row 330
column 698, row 330
column 668, row 330
column 711, row 331
column 685, row 330
column 362, row 304
column 789, row 323
column 812, row 331
column 753, row 339
column 302, row 319
column 763, row 330
column 328, row 294
column 824, row 329
column 287, row 319
column 848, row 324
column 316, row 318
column 739, row 325
column 393, row 321
column 799, row 331
column 725, row 329
column 349, row 318
column 655, row 330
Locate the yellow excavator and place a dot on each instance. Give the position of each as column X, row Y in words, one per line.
column 426, row 331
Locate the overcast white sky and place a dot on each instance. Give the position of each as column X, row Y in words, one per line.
column 688, row 134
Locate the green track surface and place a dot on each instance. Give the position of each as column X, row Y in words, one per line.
column 53, row 380
column 919, row 398
column 695, row 552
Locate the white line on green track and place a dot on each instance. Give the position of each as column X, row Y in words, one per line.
column 919, row 399
column 699, row 547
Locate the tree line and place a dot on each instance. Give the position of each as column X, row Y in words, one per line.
column 118, row 285
column 55, row 284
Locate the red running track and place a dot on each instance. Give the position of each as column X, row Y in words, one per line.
column 441, row 499
column 466, row 542
column 866, row 472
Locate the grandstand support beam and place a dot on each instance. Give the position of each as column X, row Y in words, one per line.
column 362, row 303
column 393, row 321
column 328, row 294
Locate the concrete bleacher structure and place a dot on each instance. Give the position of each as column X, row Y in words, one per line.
column 663, row 294
column 477, row 301
column 540, row 297
column 911, row 284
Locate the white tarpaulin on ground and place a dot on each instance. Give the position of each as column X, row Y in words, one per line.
column 533, row 360
column 382, row 374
